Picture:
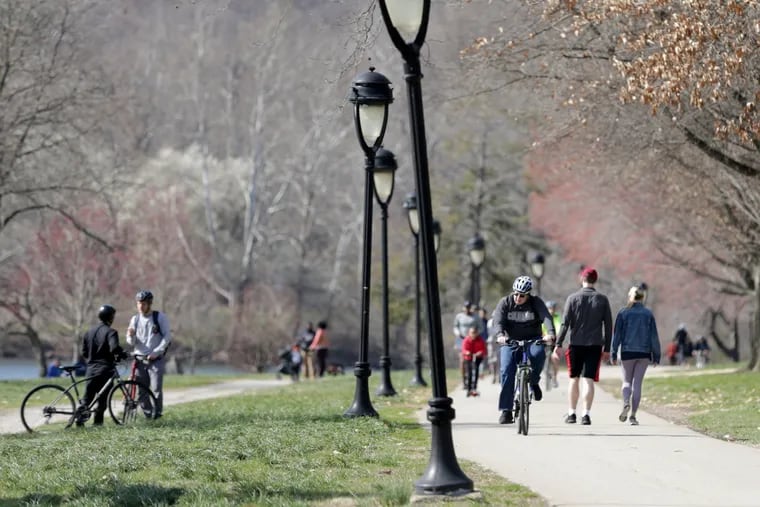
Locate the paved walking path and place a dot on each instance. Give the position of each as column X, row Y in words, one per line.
column 10, row 421
column 608, row 463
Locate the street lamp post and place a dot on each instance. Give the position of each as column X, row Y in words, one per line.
column 371, row 94
column 443, row 474
column 410, row 204
column 476, row 247
column 537, row 267
column 383, row 176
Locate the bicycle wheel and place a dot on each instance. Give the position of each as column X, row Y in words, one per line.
column 129, row 401
column 47, row 408
column 524, row 402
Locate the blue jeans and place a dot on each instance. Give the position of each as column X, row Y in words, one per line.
column 510, row 358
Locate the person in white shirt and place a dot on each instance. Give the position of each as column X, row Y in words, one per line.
column 149, row 334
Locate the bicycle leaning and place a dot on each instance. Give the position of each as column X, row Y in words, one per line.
column 523, row 392
column 52, row 407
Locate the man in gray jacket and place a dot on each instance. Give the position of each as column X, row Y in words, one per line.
column 588, row 317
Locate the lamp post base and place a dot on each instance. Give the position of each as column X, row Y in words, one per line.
column 362, row 406
column 386, row 386
column 443, row 474
column 417, row 380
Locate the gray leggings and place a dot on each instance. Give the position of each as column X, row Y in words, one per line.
column 633, row 376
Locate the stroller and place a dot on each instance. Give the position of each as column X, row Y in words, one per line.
column 290, row 363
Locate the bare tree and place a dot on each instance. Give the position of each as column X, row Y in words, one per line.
column 49, row 96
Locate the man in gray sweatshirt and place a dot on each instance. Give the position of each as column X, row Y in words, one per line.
column 588, row 317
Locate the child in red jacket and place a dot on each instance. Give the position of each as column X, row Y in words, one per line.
column 473, row 351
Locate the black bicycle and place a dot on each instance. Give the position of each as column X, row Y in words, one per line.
column 523, row 392
column 51, row 407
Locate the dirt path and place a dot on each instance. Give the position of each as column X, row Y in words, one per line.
column 10, row 421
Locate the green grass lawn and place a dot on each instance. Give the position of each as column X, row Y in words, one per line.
column 717, row 404
column 285, row 446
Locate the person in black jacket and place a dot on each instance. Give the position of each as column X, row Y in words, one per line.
column 101, row 350
column 518, row 316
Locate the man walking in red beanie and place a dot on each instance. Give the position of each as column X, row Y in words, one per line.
column 588, row 317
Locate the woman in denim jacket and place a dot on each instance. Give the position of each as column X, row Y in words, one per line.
column 635, row 334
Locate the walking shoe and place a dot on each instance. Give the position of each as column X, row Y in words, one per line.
column 506, row 417
column 473, row 393
column 624, row 414
column 81, row 416
column 633, row 420
column 537, row 393
column 555, row 384
column 586, row 420
column 570, row 419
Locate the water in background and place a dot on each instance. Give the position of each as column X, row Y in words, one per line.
column 24, row 369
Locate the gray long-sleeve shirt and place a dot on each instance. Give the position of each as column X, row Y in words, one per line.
column 588, row 317
column 464, row 321
column 147, row 339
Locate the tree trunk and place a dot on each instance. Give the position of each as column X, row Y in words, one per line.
column 40, row 350
column 754, row 338
column 730, row 349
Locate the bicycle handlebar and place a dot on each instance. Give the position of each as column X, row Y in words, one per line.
column 133, row 355
column 525, row 341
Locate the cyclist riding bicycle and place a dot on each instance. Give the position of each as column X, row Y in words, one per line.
column 519, row 316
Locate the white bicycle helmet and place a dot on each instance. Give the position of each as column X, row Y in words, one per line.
column 523, row 284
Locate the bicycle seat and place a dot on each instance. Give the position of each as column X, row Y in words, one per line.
column 69, row 369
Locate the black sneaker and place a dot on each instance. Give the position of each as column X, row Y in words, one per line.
column 624, row 414
column 537, row 393
column 633, row 420
column 586, row 420
column 570, row 419
column 506, row 417
column 81, row 416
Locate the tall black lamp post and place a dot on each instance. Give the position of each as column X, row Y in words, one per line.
column 410, row 204
column 476, row 248
column 443, row 474
column 371, row 94
column 537, row 268
column 383, row 176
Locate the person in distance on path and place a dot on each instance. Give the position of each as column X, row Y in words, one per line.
column 636, row 337
column 473, row 352
column 588, row 318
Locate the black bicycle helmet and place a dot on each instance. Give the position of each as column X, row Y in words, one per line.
column 107, row 313
column 144, row 295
